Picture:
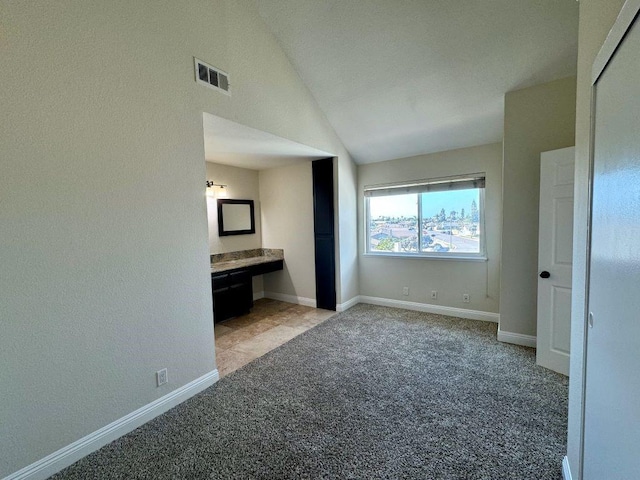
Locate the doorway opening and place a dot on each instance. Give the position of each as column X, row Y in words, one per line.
column 267, row 289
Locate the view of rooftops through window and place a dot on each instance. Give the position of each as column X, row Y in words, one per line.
column 449, row 222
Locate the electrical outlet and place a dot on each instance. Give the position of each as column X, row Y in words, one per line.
column 405, row 291
column 161, row 377
column 465, row 297
column 434, row 294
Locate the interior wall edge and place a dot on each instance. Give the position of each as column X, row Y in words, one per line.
column 73, row 452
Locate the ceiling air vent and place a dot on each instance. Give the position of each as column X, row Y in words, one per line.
column 212, row 77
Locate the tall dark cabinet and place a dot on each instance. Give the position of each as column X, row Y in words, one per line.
column 324, row 237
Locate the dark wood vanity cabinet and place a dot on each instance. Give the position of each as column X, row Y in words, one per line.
column 232, row 294
column 232, row 287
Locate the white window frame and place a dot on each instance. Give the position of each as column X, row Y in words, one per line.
column 424, row 186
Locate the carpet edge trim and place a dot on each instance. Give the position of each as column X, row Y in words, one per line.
column 566, row 469
column 517, row 338
column 429, row 308
column 73, row 452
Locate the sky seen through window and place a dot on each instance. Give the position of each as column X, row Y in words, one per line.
column 405, row 205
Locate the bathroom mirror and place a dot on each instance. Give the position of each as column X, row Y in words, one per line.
column 235, row 217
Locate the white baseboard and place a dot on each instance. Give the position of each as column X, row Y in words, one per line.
column 341, row 307
column 308, row 302
column 516, row 338
column 566, row 471
column 70, row 454
column 258, row 295
column 438, row 309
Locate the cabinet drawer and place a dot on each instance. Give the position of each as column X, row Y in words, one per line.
column 267, row 267
column 220, row 281
column 240, row 278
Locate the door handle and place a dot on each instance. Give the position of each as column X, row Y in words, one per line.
column 544, row 274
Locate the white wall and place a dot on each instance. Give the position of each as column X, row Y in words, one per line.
column 384, row 276
column 104, row 247
column 242, row 184
column 286, row 196
column 536, row 119
column 596, row 18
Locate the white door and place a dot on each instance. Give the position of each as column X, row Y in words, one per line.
column 555, row 256
column 612, row 391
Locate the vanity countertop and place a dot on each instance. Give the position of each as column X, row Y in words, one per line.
column 224, row 262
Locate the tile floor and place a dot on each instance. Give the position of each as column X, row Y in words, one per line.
column 270, row 324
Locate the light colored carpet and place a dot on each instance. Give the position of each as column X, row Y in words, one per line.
column 373, row 392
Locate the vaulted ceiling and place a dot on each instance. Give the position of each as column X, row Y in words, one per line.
column 397, row 78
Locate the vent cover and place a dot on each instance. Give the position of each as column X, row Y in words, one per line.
column 212, row 77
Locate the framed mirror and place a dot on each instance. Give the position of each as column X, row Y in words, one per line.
column 235, row 217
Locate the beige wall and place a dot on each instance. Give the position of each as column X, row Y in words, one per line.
column 384, row 276
column 537, row 119
column 286, row 196
column 243, row 184
column 277, row 102
column 104, row 242
column 596, row 19
column 347, row 284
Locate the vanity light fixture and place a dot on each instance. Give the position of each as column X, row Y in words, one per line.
column 211, row 192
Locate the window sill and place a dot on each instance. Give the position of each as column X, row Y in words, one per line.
column 457, row 258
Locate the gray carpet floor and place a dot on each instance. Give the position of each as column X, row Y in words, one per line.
column 375, row 393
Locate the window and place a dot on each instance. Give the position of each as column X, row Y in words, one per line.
column 437, row 217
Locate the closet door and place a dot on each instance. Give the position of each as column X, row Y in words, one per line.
column 612, row 392
column 323, row 222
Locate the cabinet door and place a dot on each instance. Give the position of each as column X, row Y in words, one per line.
column 232, row 295
column 221, row 305
column 220, row 293
column 241, row 292
column 323, row 218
